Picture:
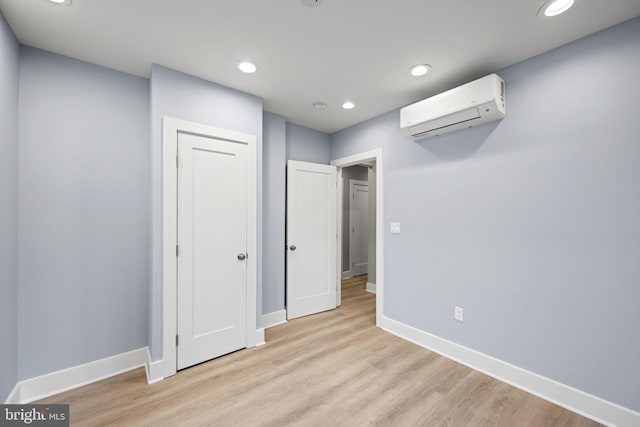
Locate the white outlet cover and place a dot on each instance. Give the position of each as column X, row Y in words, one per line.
column 395, row 228
column 459, row 314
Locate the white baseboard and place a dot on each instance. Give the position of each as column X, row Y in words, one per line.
column 274, row 319
column 259, row 339
column 347, row 274
column 47, row 385
column 153, row 369
column 371, row 287
column 14, row 396
column 582, row 403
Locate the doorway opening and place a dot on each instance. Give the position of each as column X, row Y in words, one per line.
column 358, row 239
column 351, row 245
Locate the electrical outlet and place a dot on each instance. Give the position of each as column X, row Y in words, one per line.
column 458, row 314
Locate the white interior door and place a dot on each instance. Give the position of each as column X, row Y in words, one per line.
column 311, row 237
column 212, row 245
column 359, row 221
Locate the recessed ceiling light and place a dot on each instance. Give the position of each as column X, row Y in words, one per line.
column 555, row 7
column 348, row 105
column 419, row 70
column 320, row 106
column 65, row 2
column 247, row 67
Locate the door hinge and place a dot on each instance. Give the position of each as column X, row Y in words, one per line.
column 177, row 340
column 177, row 161
column 177, row 250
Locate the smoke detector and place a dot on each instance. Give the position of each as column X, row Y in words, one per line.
column 311, row 3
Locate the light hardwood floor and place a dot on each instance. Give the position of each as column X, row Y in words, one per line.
column 333, row 368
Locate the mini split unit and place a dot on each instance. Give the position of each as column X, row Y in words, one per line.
column 471, row 104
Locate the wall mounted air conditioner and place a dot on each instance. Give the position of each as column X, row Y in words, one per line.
column 471, row 104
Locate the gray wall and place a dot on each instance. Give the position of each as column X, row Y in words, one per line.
column 531, row 224
column 274, row 196
column 84, row 209
column 182, row 96
column 9, row 60
column 307, row 145
column 358, row 173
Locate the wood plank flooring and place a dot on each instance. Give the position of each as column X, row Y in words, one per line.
column 330, row 369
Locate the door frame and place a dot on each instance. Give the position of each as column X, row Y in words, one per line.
column 356, row 159
column 171, row 127
column 352, row 246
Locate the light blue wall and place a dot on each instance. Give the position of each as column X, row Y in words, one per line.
column 274, row 196
column 83, row 213
column 9, row 60
column 532, row 224
column 307, row 145
column 185, row 97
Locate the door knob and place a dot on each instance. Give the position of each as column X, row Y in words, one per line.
column 242, row 256
column 292, row 247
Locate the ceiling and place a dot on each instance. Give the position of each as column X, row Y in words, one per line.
column 358, row 50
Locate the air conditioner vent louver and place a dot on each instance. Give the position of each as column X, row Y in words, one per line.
column 479, row 101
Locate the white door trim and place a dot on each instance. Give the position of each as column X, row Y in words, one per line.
column 170, row 129
column 352, row 246
column 356, row 159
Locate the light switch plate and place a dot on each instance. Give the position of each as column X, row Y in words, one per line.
column 395, row 228
column 458, row 314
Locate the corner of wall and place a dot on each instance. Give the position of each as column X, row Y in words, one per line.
column 153, row 369
column 9, row 218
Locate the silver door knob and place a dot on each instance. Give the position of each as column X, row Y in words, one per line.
column 292, row 247
column 242, row 257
